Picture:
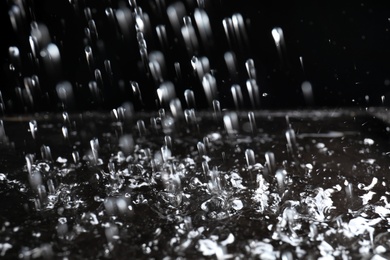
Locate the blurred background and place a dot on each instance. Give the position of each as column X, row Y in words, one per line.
column 341, row 52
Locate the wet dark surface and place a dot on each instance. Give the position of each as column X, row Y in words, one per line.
column 118, row 205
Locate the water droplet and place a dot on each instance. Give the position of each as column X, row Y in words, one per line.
column 237, row 96
column 252, row 122
column 33, row 128
column 46, row 153
column 203, row 24
column 190, row 98
column 250, row 157
column 307, row 90
column 270, row 160
column 65, row 94
column 126, row 143
column 231, row 123
column 254, row 93
column 209, row 84
column 94, row 143
column 280, row 176
column 176, row 109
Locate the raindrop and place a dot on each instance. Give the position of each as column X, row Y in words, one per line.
column 205, row 168
column 237, row 96
column 176, row 12
column 29, row 162
column 94, row 143
column 189, row 37
column 126, row 143
column 280, row 176
column 141, row 127
column 291, row 140
column 46, row 153
column 209, row 84
column 176, row 109
column 252, row 122
column 228, row 28
column 65, row 94
column 168, row 125
column 89, row 57
column 217, row 112
column 307, row 91
column 52, row 59
column 250, row 158
column 3, row 136
column 201, row 149
column 50, row 186
column 250, row 69
column 157, row 66
column 124, row 17
column 349, row 192
column 270, row 160
column 240, row 31
column 76, row 157
column 162, row 37
column 231, row 123
column 15, row 59
column 136, row 91
column 168, row 141
column 92, row 28
column 231, row 64
column 16, row 16
column 33, row 128
column 108, row 69
column 190, row 117
column 40, row 35
column 254, row 93
column 166, row 93
column 95, row 91
column 277, row 34
column 203, row 24
column 190, row 98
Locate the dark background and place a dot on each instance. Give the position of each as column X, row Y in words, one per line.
column 344, row 47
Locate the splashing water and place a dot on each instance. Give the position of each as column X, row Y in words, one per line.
column 189, row 178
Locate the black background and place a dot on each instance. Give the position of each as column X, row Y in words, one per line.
column 344, row 47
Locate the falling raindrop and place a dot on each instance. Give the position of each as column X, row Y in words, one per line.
column 307, row 92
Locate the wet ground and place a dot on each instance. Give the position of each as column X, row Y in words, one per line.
column 304, row 184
